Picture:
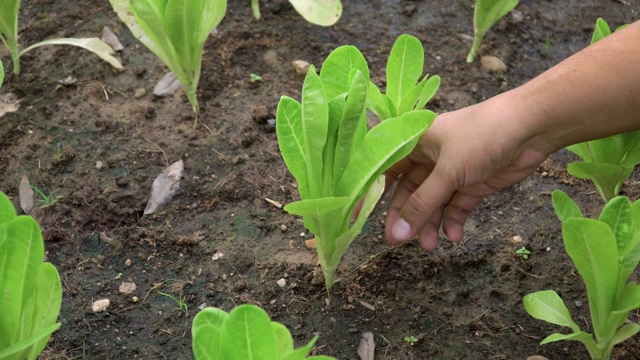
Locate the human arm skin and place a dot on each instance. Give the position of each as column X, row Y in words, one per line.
column 470, row 153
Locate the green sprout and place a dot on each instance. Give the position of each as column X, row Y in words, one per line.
column 46, row 200
column 523, row 252
column 412, row 340
column 255, row 77
column 180, row 301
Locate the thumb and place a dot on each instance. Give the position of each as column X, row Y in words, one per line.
column 418, row 204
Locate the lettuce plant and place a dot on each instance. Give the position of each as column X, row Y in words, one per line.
column 9, row 37
column 30, row 289
column 605, row 252
column 319, row 12
column 176, row 31
column 607, row 161
column 246, row 332
column 325, row 144
column 485, row 14
column 405, row 90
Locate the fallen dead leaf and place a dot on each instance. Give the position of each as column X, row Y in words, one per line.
column 9, row 103
column 167, row 85
column 367, row 346
column 164, row 187
column 26, row 195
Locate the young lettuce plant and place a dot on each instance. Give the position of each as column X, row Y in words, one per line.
column 319, row 12
column 607, row 161
column 9, row 37
column 605, row 251
column 325, row 144
column 246, row 332
column 485, row 14
column 30, row 289
column 176, row 31
column 405, row 91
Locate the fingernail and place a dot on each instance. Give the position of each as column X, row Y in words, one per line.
column 401, row 230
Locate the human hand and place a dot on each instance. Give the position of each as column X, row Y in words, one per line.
column 465, row 155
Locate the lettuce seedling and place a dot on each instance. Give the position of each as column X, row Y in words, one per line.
column 246, row 332
column 30, row 289
column 605, row 252
column 318, row 12
column 325, row 144
column 176, row 31
column 9, row 37
column 607, row 161
column 485, row 14
column 405, row 90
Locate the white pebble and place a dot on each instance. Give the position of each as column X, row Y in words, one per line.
column 282, row 283
column 127, row 288
column 100, row 305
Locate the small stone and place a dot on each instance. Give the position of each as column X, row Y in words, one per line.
column 127, row 288
column 216, row 256
column 282, row 283
column 517, row 239
column 310, row 244
column 537, row 357
column 300, row 66
column 122, row 181
column 283, row 228
column 302, row 234
column 578, row 303
column 100, row 305
column 493, row 63
column 135, row 299
column 202, row 306
column 127, row 263
column 140, row 92
column 516, row 16
column 99, row 165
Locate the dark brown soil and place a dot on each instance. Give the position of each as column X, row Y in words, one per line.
column 461, row 301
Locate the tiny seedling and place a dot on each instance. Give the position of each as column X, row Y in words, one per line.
column 607, row 162
column 325, row 144
column 485, row 14
column 9, row 37
column 30, row 288
column 176, row 31
column 246, row 332
column 46, row 200
column 180, row 301
column 255, row 77
column 523, row 252
column 319, row 12
column 59, row 157
column 606, row 252
column 411, row 340
column 119, row 276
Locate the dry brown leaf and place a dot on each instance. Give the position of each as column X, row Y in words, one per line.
column 9, row 103
column 167, row 85
column 110, row 38
column 26, row 195
column 367, row 346
column 164, row 187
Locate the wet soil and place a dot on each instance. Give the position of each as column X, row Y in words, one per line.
column 462, row 301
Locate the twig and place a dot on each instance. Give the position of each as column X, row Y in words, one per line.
column 166, row 159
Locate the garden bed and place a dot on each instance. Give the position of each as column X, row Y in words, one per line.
column 461, row 301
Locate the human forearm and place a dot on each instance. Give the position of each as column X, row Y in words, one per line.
column 593, row 94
